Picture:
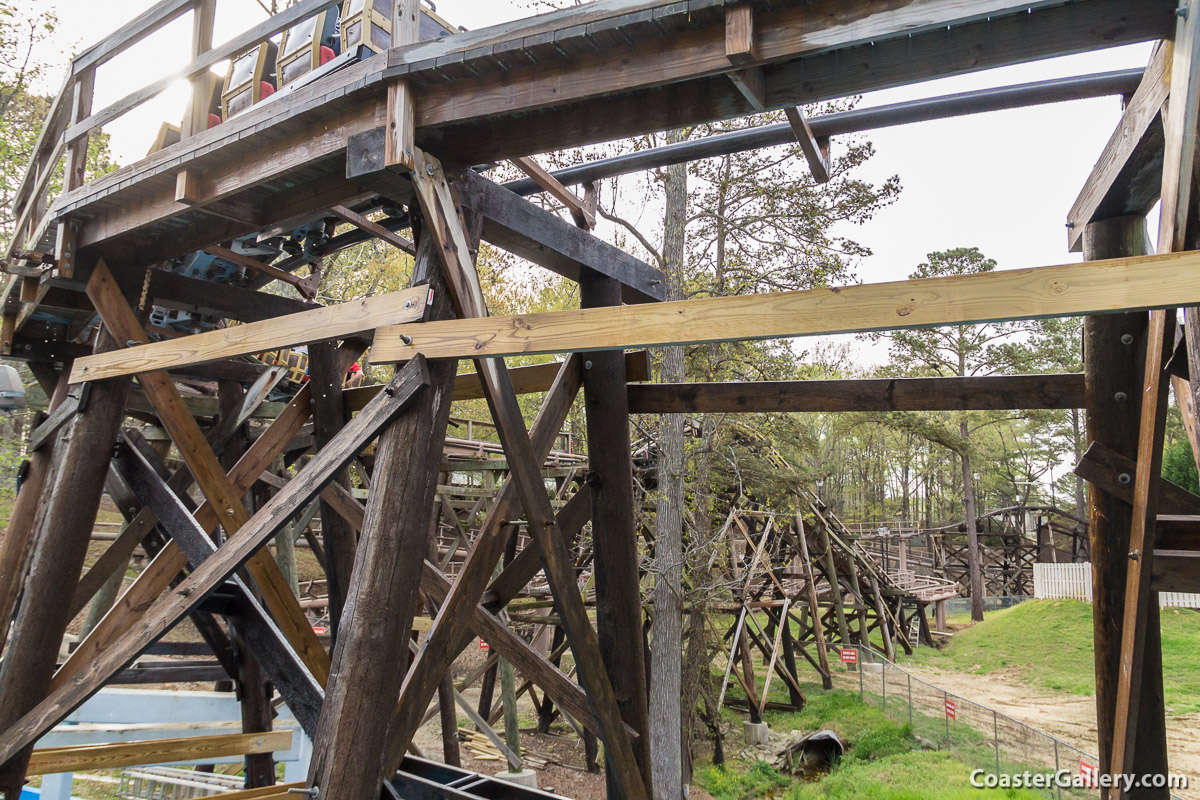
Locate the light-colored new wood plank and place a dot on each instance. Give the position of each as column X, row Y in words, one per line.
column 1092, row 287
column 321, row 324
column 157, row 751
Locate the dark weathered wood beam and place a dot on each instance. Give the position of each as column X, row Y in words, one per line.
column 164, row 613
column 869, row 394
column 1127, row 178
column 616, row 92
column 62, row 530
column 520, row 227
column 299, row 689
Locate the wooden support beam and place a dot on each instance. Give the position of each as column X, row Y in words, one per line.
column 1127, row 178
column 268, row 446
column 78, row 758
column 328, row 323
column 584, row 217
column 445, row 223
column 1181, row 124
column 816, row 151
column 374, row 228
column 1139, row 596
column 615, row 553
column 514, row 224
column 224, row 497
column 286, row 670
column 871, row 394
column 371, row 655
column 192, row 591
column 172, row 290
column 401, row 118
column 329, row 417
column 18, row 542
column 1071, row 289
column 62, row 531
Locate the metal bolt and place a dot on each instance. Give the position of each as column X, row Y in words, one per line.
column 405, row 339
column 408, row 303
column 1135, row 555
column 229, row 512
column 429, row 169
column 1124, row 479
column 389, row 391
column 1181, row 12
column 131, row 343
column 587, row 365
column 1120, row 397
column 1126, row 338
column 1070, row 224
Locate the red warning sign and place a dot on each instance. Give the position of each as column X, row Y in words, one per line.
column 483, row 645
column 951, row 710
column 1090, row 774
column 849, row 655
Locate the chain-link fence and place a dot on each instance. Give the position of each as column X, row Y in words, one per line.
column 980, row 737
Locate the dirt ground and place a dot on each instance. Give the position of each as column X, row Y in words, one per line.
column 1070, row 717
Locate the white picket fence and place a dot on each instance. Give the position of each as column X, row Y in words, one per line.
column 1074, row 582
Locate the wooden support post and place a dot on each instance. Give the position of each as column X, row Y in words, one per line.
column 195, row 119
column 224, row 497
column 618, row 591
column 445, row 223
column 329, row 417
column 813, row 607
column 371, row 655
column 19, row 536
column 62, row 531
column 168, row 610
column 401, row 118
column 816, row 151
column 1114, row 363
column 74, row 172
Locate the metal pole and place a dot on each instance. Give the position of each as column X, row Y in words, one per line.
column 945, row 700
column 843, row 122
column 910, row 713
column 858, row 650
column 1057, row 785
column 996, row 738
column 883, row 674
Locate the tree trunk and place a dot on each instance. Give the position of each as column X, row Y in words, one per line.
column 666, row 628
column 972, row 534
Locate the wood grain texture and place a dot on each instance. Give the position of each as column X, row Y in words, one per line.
column 322, row 324
column 874, row 394
column 816, row 153
column 165, row 612
column 77, row 758
column 1122, row 284
column 525, row 230
column 583, row 216
column 1131, row 151
column 221, row 493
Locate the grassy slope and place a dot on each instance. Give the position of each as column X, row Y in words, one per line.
column 883, row 762
column 1049, row 643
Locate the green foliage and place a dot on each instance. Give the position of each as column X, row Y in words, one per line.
column 1179, row 465
column 883, row 761
column 1049, row 644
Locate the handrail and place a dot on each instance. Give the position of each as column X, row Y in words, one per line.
column 132, row 32
column 280, row 22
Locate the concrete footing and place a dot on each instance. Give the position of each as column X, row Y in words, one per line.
column 525, row 777
column 756, row 732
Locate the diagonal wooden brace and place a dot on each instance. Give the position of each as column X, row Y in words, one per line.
column 444, row 221
column 225, row 498
column 168, row 610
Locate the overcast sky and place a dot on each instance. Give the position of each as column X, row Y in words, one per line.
column 1001, row 181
